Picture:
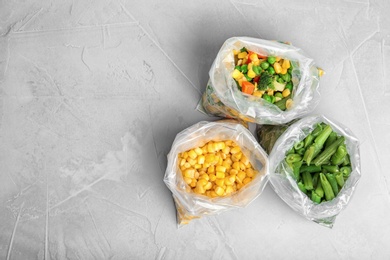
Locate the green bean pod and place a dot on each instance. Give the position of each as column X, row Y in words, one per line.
column 307, row 180
column 338, row 157
column 339, row 178
column 333, row 183
column 328, row 191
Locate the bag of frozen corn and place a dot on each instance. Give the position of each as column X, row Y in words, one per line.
column 213, row 167
column 260, row 81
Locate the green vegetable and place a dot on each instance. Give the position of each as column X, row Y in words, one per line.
column 296, row 167
column 333, row 183
column 267, row 98
column 264, row 65
column 247, row 77
column 256, row 69
column 301, row 186
column 307, row 180
column 328, row 191
column 346, row 171
column 332, row 137
column 291, row 158
column 339, row 178
column 243, row 49
column 315, row 198
column 271, row 59
column 330, row 168
column 265, row 81
column 286, row 77
column 338, row 157
column 319, row 190
column 298, row 145
column 317, row 130
column 281, row 104
column 308, row 140
column 278, row 94
column 315, row 179
column 280, row 80
column 310, row 168
column 244, row 68
column 289, row 86
column 271, row 70
column 328, row 152
column 237, row 68
column 318, row 143
column 346, row 160
column 291, row 151
column 301, row 151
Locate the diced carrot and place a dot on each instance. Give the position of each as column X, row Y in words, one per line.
column 248, row 87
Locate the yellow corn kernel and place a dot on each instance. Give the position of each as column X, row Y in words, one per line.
column 209, row 158
column 237, row 156
column 212, row 177
column 220, row 169
column 196, row 175
column 270, row 92
column 190, row 173
column 257, row 93
column 250, row 65
column 188, row 180
column 202, row 182
column 191, row 161
column 235, row 150
column 237, row 74
column 182, row 162
column 256, row 62
column 213, row 194
column 192, row 154
column 284, row 71
column 220, row 182
column 254, row 57
column 193, row 183
column 198, row 151
column 289, row 103
column 204, row 176
column 286, row 64
column 221, row 145
column 241, row 176
column 278, row 58
column 197, row 166
column 220, row 175
column 219, row 191
column 228, row 142
column 233, row 171
column 211, row 169
column 229, row 189
column 277, row 67
column 208, row 193
column 227, row 181
column 228, row 161
column 251, row 73
column 185, row 155
column 239, row 186
column 217, row 159
column 286, row 92
column 235, row 52
column 239, row 62
column 245, row 160
column 201, row 159
column 226, row 150
column 208, row 186
column 204, row 149
column 199, row 188
column 210, row 147
column 246, row 180
column 249, row 172
column 187, row 165
column 226, row 165
column 242, row 55
column 242, row 166
column 236, row 166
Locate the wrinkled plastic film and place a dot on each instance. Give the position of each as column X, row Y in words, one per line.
column 191, row 205
column 223, row 98
column 286, row 187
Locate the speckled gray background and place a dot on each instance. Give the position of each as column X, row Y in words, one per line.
column 92, row 94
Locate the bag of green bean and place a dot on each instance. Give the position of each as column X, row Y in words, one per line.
column 261, row 91
column 315, row 168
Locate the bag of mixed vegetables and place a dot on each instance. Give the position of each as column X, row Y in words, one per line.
column 213, row 167
column 315, row 168
column 265, row 82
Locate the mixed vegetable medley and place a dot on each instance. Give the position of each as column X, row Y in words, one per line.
column 262, row 76
column 216, row 169
column 320, row 163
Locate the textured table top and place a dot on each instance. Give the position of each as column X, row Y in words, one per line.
column 92, row 94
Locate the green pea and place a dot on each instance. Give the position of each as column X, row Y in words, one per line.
column 256, row 69
column 289, row 70
column 271, row 70
column 267, row 98
column 264, row 65
column 272, row 99
column 248, row 78
column 276, row 77
column 280, row 80
column 289, row 86
column 237, row 68
column 244, row 68
column 286, row 77
column 278, row 94
column 271, row 59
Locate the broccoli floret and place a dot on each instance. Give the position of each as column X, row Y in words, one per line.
column 265, row 81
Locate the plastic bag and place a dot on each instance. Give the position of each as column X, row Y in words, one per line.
column 286, row 187
column 223, row 98
column 191, row 205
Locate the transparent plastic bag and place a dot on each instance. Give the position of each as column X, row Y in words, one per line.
column 286, row 187
column 223, row 98
column 191, row 205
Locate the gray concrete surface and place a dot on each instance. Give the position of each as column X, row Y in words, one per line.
column 92, row 94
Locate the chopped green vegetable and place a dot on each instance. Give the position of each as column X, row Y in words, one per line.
column 265, row 81
column 338, row 157
column 307, row 180
column 291, row 158
column 328, row 191
column 310, row 168
column 333, row 183
column 328, row 152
